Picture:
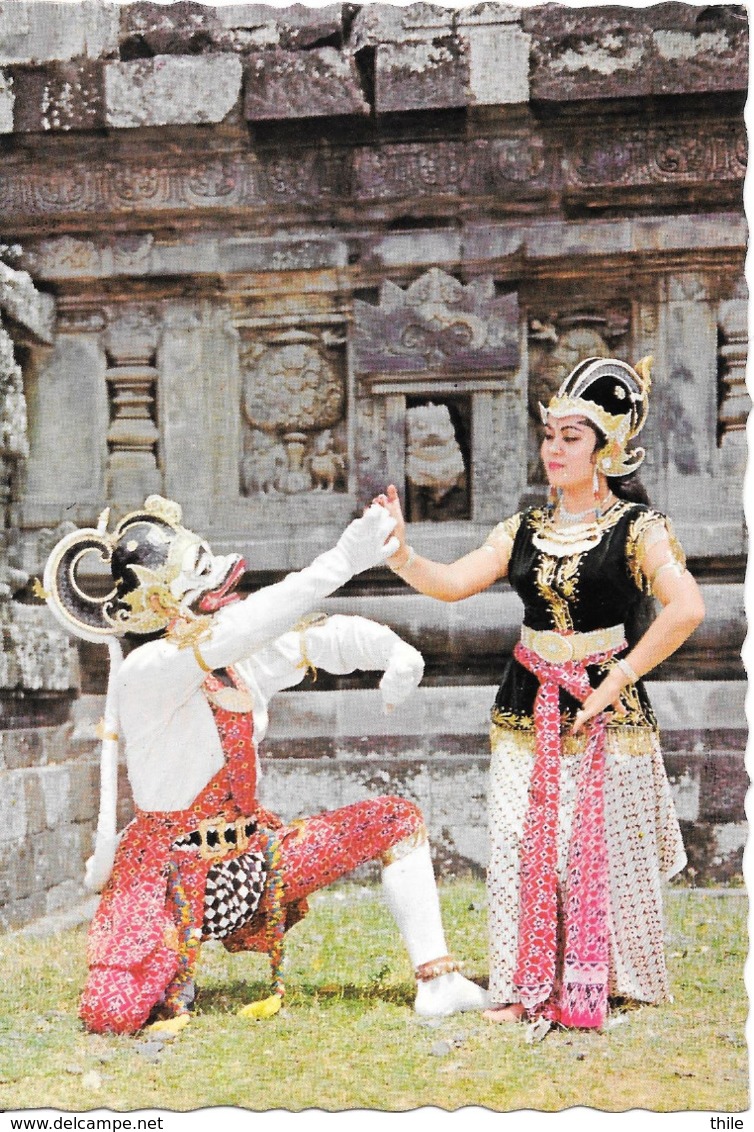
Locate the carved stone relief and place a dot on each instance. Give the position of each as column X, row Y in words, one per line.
column 436, row 474
column 735, row 402
column 436, row 324
column 293, row 404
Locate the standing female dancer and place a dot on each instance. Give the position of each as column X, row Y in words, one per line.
column 583, row 830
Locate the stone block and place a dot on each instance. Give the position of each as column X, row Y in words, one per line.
column 724, row 783
column 20, row 912
column 13, row 812
column 7, row 102
column 21, row 748
column 61, row 896
column 165, row 29
column 312, row 84
column 189, row 28
column 36, row 817
column 17, row 876
column 297, row 26
column 56, row 790
column 84, row 792
column 58, row 856
column 377, row 24
column 59, row 96
column 37, row 31
column 425, row 75
column 621, row 52
column 73, row 374
column 32, row 309
column 498, row 61
column 171, row 90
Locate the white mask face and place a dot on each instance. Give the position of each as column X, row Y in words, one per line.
column 201, row 572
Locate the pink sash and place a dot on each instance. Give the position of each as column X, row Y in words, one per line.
column 578, row 995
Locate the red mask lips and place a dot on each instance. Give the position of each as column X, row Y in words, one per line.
column 224, row 594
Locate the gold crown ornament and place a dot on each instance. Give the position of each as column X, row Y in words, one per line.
column 614, row 396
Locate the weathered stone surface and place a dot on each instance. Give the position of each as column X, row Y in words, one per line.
column 722, row 789
column 33, row 31
column 390, row 23
column 30, row 308
column 620, row 52
column 75, row 370
column 425, row 75
column 21, row 748
column 13, row 815
column 56, row 788
column 171, row 90
column 59, row 96
column 312, row 84
column 498, row 61
column 189, row 28
column 7, row 102
column 439, row 325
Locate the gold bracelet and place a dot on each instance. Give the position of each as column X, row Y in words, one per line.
column 409, row 561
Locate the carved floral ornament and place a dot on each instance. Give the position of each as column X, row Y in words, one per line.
column 292, row 395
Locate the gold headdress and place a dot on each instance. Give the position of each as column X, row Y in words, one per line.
column 614, row 396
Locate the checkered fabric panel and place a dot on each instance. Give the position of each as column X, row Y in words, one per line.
column 234, row 889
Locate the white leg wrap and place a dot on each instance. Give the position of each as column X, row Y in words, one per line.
column 411, row 895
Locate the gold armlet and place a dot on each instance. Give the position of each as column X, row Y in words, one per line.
column 101, row 733
column 200, row 659
column 677, row 567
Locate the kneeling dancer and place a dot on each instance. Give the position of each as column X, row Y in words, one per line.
column 202, row 859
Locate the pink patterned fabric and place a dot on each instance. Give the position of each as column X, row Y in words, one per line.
column 575, row 994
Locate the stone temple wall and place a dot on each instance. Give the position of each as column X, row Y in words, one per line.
column 281, row 257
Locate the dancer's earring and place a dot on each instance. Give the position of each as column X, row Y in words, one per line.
column 596, row 490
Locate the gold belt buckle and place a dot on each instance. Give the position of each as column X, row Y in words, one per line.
column 211, row 852
column 554, row 647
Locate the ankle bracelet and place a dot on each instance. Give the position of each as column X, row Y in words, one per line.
column 425, row 972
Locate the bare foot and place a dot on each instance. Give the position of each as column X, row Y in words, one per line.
column 514, row 1012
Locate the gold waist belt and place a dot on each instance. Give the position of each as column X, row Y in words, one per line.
column 216, row 837
column 557, row 648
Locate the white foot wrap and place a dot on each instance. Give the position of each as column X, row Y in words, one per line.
column 449, row 994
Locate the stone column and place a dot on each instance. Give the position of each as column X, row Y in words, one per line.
column 681, row 432
column 199, row 408
column 131, row 342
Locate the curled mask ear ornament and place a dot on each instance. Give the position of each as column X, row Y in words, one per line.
column 614, row 396
column 149, row 564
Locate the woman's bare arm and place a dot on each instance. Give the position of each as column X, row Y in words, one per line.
column 683, row 610
column 450, row 581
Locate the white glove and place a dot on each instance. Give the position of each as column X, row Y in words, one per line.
column 402, row 675
column 363, row 541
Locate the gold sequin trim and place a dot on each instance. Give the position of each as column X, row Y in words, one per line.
column 403, row 848
column 646, row 530
column 501, row 538
column 621, row 740
column 556, row 579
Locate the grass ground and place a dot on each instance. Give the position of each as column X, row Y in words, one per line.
column 348, row 1038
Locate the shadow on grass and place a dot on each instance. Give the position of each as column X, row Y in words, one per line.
column 233, row 995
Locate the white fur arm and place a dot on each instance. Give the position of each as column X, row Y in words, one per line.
column 340, row 644
column 100, row 864
column 243, row 627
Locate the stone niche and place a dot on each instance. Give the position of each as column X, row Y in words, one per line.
column 439, row 378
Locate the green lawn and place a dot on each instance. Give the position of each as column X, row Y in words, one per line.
column 348, row 1037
